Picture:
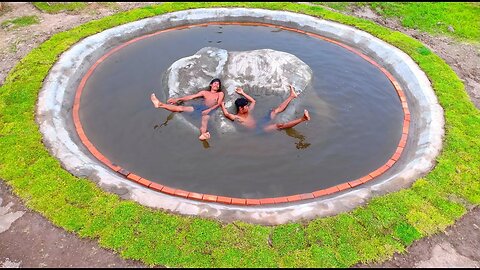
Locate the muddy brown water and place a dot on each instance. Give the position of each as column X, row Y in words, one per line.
column 355, row 128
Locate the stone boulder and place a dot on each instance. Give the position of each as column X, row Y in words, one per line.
column 264, row 74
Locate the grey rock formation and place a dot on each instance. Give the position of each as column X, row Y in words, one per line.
column 263, row 74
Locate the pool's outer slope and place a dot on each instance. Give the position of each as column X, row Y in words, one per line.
column 57, row 97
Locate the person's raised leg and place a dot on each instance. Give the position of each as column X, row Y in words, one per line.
column 285, row 103
column 305, row 117
column 173, row 108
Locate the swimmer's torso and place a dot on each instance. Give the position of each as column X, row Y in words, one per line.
column 211, row 98
column 246, row 120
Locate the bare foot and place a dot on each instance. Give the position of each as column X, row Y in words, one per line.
column 306, row 115
column 292, row 92
column 155, row 101
column 204, row 136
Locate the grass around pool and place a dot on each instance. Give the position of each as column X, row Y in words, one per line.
column 459, row 20
column 372, row 233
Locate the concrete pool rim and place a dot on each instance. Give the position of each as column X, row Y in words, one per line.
column 345, row 200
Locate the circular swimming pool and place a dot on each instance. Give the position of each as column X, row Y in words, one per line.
column 95, row 103
column 356, row 124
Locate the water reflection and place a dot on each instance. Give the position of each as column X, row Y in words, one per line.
column 205, row 144
column 302, row 143
column 169, row 117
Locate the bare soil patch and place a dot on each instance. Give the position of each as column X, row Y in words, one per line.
column 32, row 241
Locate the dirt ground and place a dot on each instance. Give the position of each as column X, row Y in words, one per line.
column 27, row 239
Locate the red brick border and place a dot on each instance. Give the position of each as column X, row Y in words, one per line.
column 243, row 201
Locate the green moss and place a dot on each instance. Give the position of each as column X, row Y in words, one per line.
column 371, row 233
column 52, row 7
column 20, row 22
column 287, row 238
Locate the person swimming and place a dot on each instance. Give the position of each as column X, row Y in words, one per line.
column 246, row 104
column 212, row 100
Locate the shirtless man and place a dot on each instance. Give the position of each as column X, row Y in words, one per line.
column 213, row 99
column 245, row 118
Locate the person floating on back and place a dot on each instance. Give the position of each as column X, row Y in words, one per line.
column 213, row 99
column 245, row 118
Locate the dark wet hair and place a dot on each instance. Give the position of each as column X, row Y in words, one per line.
column 241, row 102
column 219, row 82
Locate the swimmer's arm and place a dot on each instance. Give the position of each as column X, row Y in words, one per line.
column 185, row 98
column 226, row 113
column 220, row 100
column 249, row 98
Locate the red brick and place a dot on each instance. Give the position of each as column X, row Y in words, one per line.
column 194, row 195
column 331, row 190
column 238, row 201
column 133, row 177
column 226, row 200
column 390, row 162
column 253, row 202
column 379, row 171
column 383, row 169
column 343, row 186
column 294, row 198
column 280, row 199
column 396, row 156
column 181, row 193
column 156, row 186
column 405, row 127
column 123, row 172
column 365, row 179
column 397, row 85
column 319, row 193
column 81, row 133
column 355, row 183
column 144, row 182
column 267, row 201
column 168, row 190
column 113, row 166
column 391, row 78
column 210, row 198
column 94, row 152
column 306, row 196
column 403, row 140
column 407, row 117
column 76, row 121
column 104, row 160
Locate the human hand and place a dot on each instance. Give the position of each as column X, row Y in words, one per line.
column 239, row 90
